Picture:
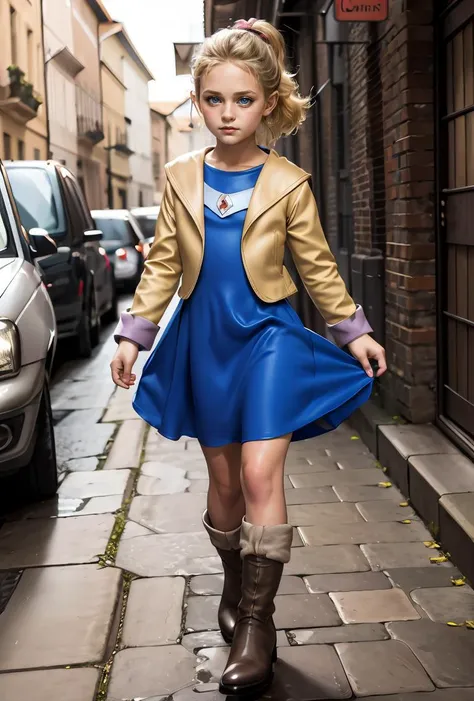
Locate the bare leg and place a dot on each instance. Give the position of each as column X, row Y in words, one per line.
column 262, row 474
column 225, row 501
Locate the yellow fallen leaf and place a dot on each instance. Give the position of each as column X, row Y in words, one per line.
column 458, row 582
column 395, row 418
column 437, row 560
column 431, row 544
column 470, row 624
column 384, row 469
column 355, row 438
column 407, row 520
column 454, row 625
column 386, row 485
column 403, row 503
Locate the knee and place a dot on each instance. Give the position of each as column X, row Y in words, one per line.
column 258, row 479
column 228, row 492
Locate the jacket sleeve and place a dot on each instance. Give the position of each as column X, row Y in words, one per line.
column 318, row 269
column 159, row 281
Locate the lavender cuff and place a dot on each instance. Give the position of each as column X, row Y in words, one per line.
column 346, row 331
column 136, row 329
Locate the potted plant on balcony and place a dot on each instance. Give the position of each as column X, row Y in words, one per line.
column 17, row 77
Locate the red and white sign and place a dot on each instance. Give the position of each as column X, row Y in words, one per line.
column 368, row 11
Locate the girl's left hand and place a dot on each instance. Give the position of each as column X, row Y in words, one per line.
column 363, row 349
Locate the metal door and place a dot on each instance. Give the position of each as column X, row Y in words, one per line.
column 456, row 220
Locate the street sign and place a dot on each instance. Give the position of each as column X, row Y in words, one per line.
column 368, row 11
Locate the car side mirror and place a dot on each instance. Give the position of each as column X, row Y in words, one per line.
column 41, row 243
column 93, row 235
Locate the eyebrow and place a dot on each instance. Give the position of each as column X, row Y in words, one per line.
column 236, row 94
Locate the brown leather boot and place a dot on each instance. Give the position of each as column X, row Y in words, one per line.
column 249, row 670
column 227, row 544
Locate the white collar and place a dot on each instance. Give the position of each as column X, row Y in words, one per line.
column 230, row 204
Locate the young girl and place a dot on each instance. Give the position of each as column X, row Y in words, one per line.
column 235, row 367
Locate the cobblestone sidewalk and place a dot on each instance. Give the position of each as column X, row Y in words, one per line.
column 112, row 592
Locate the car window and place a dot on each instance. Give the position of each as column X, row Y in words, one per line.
column 116, row 230
column 147, row 224
column 37, row 199
column 3, row 227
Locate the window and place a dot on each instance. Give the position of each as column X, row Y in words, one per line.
column 37, row 154
column 7, row 147
column 36, row 197
column 30, row 56
column 13, row 37
column 117, row 230
column 21, row 150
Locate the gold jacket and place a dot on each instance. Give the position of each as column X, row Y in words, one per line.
column 282, row 210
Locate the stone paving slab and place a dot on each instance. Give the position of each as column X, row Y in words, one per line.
column 381, row 511
column 387, row 667
column 411, row 578
column 81, row 395
column 438, row 695
column 150, row 671
column 305, row 611
column 169, row 555
column 170, row 513
column 357, row 462
column 302, row 675
column 315, row 495
column 327, row 559
column 445, row 604
column 334, row 479
column 158, row 478
column 65, row 507
column 120, row 407
column 154, row 612
column 357, row 581
column 81, row 417
column 83, row 485
column 361, row 632
column 297, row 465
column 374, row 606
column 82, row 464
column 127, row 447
column 59, row 616
column 77, row 443
column 50, row 685
column 323, row 515
column 54, row 541
column 392, row 555
column 358, row 533
column 356, row 493
column 446, row 653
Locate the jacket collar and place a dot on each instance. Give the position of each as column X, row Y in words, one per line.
column 278, row 178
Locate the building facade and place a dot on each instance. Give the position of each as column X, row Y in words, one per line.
column 23, row 116
column 159, row 147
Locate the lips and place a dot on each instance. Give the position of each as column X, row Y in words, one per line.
column 229, row 129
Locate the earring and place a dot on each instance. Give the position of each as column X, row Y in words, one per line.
column 191, row 125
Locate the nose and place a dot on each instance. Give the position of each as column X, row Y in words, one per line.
column 228, row 114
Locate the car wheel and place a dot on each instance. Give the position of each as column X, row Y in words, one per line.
column 40, row 476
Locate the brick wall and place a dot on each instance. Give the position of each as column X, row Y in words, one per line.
column 393, row 191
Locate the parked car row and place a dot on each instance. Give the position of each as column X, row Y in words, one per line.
column 60, row 266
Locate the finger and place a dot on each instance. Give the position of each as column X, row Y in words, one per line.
column 127, row 372
column 364, row 361
column 116, row 367
column 382, row 362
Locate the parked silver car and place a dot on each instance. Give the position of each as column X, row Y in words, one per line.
column 27, row 347
column 146, row 217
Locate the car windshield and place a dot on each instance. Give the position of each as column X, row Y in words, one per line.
column 113, row 229
column 147, row 224
column 3, row 228
column 36, row 199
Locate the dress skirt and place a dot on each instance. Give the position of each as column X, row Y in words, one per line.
column 230, row 368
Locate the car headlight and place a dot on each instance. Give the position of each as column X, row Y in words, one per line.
column 10, row 351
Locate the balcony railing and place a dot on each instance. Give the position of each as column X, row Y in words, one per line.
column 89, row 117
column 121, row 143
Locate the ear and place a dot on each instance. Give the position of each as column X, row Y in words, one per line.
column 271, row 103
column 195, row 101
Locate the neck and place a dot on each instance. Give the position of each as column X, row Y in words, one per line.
column 243, row 154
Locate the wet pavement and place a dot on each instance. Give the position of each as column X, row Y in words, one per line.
column 111, row 590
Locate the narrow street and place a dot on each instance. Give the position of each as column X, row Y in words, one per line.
column 112, row 591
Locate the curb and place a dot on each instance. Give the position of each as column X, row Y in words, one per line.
column 436, row 477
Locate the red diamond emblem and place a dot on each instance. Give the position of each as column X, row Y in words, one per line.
column 224, row 203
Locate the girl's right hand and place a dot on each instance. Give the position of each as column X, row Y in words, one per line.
column 122, row 364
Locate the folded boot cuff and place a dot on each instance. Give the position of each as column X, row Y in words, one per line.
column 223, row 540
column 272, row 542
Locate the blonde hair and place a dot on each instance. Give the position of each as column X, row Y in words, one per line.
column 260, row 49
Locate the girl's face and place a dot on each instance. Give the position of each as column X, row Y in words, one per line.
column 232, row 103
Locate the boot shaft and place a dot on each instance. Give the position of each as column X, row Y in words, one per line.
column 260, row 581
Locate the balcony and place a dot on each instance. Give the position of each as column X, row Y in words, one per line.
column 18, row 99
column 90, row 129
column 121, row 144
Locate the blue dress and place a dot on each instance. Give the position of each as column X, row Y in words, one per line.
column 231, row 368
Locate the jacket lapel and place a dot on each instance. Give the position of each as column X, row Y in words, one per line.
column 277, row 179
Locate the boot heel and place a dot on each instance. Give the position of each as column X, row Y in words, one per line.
column 274, row 654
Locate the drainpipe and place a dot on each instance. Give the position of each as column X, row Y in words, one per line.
column 45, row 73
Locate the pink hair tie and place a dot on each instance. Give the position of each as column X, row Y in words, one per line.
column 247, row 26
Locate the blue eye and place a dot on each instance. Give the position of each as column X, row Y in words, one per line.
column 213, row 100
column 245, row 101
